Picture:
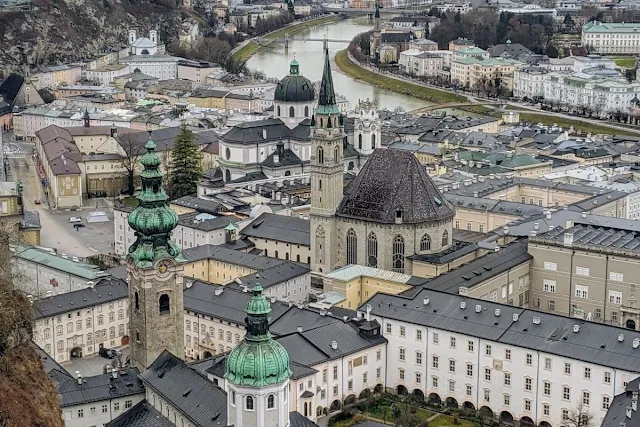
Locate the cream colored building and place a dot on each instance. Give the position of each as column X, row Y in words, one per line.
column 280, row 236
column 476, row 72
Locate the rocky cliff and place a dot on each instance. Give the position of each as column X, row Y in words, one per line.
column 59, row 31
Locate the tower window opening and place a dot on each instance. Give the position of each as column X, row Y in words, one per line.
column 163, row 304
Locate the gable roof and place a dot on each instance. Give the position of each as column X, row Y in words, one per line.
column 194, row 396
column 11, row 87
column 99, row 387
column 282, row 228
column 141, row 415
column 394, row 180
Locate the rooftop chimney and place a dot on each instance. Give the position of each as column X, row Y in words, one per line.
column 334, row 345
column 368, row 315
column 114, row 374
column 628, row 412
column 568, row 239
column 299, row 328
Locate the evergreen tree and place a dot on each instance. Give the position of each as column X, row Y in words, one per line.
column 185, row 169
column 290, row 7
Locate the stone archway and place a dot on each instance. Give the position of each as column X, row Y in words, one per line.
column 402, row 390
column 350, row 400
column 378, row 389
column 544, row 424
column 335, row 406
column 506, row 418
column 365, row 394
column 418, row 395
column 486, row 412
column 468, row 405
column 526, row 422
column 435, row 398
column 319, row 411
column 631, row 324
column 75, row 353
column 207, row 354
column 451, row 402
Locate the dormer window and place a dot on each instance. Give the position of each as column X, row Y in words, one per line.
column 398, row 214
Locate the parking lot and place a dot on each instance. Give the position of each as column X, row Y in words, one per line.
column 93, row 365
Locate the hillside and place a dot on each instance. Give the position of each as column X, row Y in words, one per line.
column 57, row 31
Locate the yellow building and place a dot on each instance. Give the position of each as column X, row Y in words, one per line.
column 358, row 283
column 209, row 99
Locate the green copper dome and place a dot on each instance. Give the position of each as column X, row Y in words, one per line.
column 152, row 220
column 259, row 360
column 294, row 87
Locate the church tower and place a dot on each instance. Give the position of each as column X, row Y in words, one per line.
column 327, row 168
column 367, row 126
column 257, row 372
column 154, row 271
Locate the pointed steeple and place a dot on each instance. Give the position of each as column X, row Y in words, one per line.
column 377, row 14
column 327, row 97
column 153, row 220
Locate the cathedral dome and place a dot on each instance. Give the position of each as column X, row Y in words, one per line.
column 259, row 360
column 294, row 87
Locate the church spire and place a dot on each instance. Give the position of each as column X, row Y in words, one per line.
column 152, row 220
column 327, row 98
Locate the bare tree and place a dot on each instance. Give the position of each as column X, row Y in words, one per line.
column 133, row 149
column 580, row 416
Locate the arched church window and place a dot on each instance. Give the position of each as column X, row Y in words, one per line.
column 398, row 254
column 233, row 398
column 373, row 141
column 163, row 304
column 137, row 301
column 306, row 111
column 351, row 166
column 271, row 401
column 227, row 153
column 445, row 238
column 360, row 141
column 320, row 155
column 319, row 245
column 336, row 153
column 227, row 175
column 372, row 250
column 425, row 243
column 279, row 114
column 292, row 112
column 352, row 247
column 319, row 184
column 249, row 403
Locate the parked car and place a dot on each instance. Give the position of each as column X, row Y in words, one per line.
column 74, row 219
column 109, row 353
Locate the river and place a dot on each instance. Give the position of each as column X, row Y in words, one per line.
column 274, row 62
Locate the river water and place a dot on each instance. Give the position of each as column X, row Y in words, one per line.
column 274, row 62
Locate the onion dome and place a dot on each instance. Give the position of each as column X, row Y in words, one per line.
column 152, row 220
column 259, row 360
column 294, row 87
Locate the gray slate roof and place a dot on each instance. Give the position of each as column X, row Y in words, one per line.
column 141, row 415
column 595, row 343
column 272, row 276
column 394, row 180
column 106, row 290
column 617, row 412
column 220, row 253
column 597, row 237
column 198, row 204
column 99, row 387
column 266, row 130
column 194, row 396
column 281, row 228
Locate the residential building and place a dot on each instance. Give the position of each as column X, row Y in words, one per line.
column 460, row 43
column 528, row 82
column 197, row 71
column 475, row 72
column 43, row 273
column 104, row 76
column 280, row 236
column 611, row 38
column 421, row 63
column 52, row 75
column 78, row 323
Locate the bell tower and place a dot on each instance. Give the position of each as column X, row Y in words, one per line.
column 327, row 168
column 154, row 271
column 367, row 126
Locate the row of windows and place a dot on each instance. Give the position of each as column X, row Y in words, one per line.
column 128, row 404
column 584, row 271
column 249, row 401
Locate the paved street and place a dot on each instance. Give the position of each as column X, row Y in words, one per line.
column 56, row 230
column 93, row 365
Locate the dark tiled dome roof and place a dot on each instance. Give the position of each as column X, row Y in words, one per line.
column 294, row 87
column 390, row 181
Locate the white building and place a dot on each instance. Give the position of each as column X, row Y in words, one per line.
column 105, row 75
column 43, row 273
column 79, row 323
column 420, row 63
column 513, row 363
column 609, row 38
column 194, row 229
column 581, row 63
column 528, row 82
column 96, row 400
column 601, row 94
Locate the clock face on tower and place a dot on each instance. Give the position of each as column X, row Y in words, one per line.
column 163, row 268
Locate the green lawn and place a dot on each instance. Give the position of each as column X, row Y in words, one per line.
column 426, row 93
column 446, row 421
column 625, row 61
column 244, row 53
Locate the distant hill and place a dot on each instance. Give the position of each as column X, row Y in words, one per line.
column 58, row 31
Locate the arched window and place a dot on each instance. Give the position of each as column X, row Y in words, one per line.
column 351, row 166
column 279, row 111
column 292, row 112
column 249, row 403
column 137, row 301
column 360, row 141
column 229, row 335
column 336, row 154
column 227, row 175
column 306, row 111
column 319, row 245
column 276, row 254
column 425, row 243
column 286, row 256
column 320, row 155
column 163, row 304
column 373, row 141
column 319, row 184
column 445, row 238
column 398, row 254
column 352, row 247
column 271, row 401
column 233, row 393
column 227, row 153
column 298, row 258
column 372, row 250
